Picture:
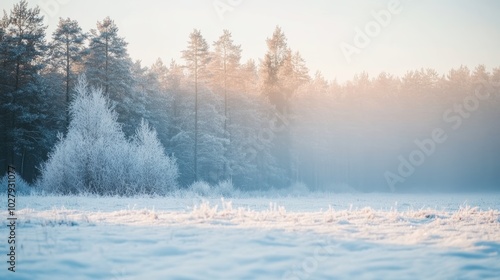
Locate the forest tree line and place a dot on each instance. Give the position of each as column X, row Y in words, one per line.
column 261, row 123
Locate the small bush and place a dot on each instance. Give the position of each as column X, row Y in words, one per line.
column 224, row 188
column 200, row 188
column 299, row 188
column 22, row 187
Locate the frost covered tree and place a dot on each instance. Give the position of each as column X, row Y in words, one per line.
column 95, row 157
column 92, row 157
column 153, row 171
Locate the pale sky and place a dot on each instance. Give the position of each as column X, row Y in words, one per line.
column 424, row 33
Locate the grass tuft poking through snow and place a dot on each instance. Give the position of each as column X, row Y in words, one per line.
column 462, row 227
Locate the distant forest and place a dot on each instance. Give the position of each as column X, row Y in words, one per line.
column 261, row 123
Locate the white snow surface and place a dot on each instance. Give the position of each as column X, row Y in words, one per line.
column 317, row 236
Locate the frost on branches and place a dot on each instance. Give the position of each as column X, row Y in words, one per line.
column 95, row 156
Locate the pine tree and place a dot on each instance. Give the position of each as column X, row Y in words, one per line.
column 3, row 56
column 271, row 66
column 480, row 75
column 174, row 81
column 292, row 75
column 300, row 72
column 109, row 65
column 159, row 72
column 180, row 126
column 151, row 84
column 459, row 82
column 23, row 43
column 67, row 49
column 249, row 78
column 175, row 75
column 197, row 58
column 107, row 57
column 22, row 48
column 225, row 64
column 225, row 69
column 5, row 96
column 276, row 74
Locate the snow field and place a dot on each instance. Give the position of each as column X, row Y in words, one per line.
column 364, row 236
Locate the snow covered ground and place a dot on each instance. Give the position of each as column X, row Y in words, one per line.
column 317, row 236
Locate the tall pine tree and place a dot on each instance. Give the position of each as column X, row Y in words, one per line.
column 271, row 67
column 225, row 68
column 22, row 48
column 67, row 49
column 225, row 65
column 197, row 58
column 108, row 65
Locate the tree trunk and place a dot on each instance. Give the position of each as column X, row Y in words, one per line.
column 106, row 67
column 67, row 84
column 196, row 119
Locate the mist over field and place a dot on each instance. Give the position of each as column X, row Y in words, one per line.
column 250, row 139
